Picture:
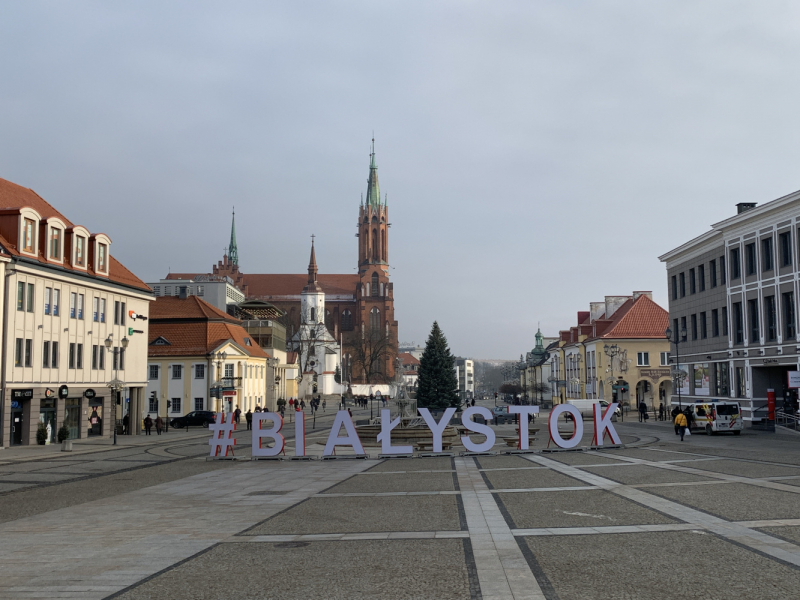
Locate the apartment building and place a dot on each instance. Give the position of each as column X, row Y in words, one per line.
column 75, row 330
column 465, row 373
column 733, row 312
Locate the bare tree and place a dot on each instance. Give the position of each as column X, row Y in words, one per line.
column 371, row 350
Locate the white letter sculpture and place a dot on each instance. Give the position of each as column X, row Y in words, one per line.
column 603, row 424
column 222, row 436
column 553, row 424
column 259, row 433
column 300, row 433
column 437, row 429
column 477, row 428
column 385, row 436
column 523, row 411
column 351, row 439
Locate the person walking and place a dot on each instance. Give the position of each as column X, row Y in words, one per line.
column 323, row 405
column 126, row 424
column 680, row 424
column 159, row 424
column 248, row 416
column 148, row 424
column 237, row 414
column 661, row 411
column 642, row 411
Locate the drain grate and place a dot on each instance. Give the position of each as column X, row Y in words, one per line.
column 292, row 545
column 266, row 493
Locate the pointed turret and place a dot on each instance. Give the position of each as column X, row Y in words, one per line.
column 233, row 251
column 312, row 285
column 373, row 187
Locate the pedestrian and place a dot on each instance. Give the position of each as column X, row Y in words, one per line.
column 148, row 423
column 291, row 403
column 473, row 402
column 258, row 409
column 237, row 414
column 248, row 416
column 642, row 411
column 323, row 406
column 126, row 423
column 159, row 424
column 681, row 424
column 661, row 411
column 350, row 412
column 303, row 405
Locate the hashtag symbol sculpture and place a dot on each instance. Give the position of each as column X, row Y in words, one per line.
column 223, row 435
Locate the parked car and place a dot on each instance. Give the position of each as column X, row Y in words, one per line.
column 499, row 411
column 604, row 404
column 197, row 417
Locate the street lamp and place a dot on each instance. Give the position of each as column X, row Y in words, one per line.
column 611, row 352
column 115, row 385
column 678, row 374
column 218, row 359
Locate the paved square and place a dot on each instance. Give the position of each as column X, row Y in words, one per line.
column 638, row 474
column 378, row 482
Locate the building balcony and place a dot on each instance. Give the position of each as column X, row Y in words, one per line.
column 231, row 382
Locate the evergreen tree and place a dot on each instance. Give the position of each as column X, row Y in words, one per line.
column 437, row 384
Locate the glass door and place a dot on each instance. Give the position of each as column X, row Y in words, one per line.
column 72, row 417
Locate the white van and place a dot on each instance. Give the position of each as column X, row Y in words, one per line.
column 717, row 416
column 586, row 407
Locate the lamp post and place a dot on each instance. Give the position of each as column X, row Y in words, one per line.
column 219, row 359
column 678, row 375
column 611, row 352
column 116, row 385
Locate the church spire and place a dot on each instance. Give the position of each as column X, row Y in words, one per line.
column 312, row 266
column 373, row 188
column 233, row 251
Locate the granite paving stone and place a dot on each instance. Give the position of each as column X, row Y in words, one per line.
column 530, row 478
column 744, row 468
column 437, row 463
column 582, row 458
column 735, row 501
column 503, row 461
column 365, row 514
column 641, row 474
column 395, row 482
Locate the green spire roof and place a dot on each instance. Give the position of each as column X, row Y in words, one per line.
column 233, row 251
column 373, row 188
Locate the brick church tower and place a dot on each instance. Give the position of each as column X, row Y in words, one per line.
column 375, row 294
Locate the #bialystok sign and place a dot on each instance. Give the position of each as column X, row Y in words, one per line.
column 267, row 428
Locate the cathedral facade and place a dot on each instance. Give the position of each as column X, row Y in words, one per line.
column 359, row 307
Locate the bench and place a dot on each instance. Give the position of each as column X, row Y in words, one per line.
column 513, row 441
column 428, row 446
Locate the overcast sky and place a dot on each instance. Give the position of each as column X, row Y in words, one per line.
column 537, row 155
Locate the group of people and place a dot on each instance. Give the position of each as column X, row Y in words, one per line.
column 682, row 419
column 149, row 422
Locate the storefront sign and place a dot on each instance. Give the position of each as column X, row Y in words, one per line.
column 654, row 374
column 89, row 394
column 25, row 394
column 63, row 391
column 222, row 441
column 794, row 379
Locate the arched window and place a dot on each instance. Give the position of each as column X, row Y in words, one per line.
column 383, row 246
column 347, row 321
column 313, row 314
column 375, row 285
column 375, row 319
column 374, row 244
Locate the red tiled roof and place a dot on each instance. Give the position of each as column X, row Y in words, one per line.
column 291, row 284
column 199, row 338
column 191, row 307
column 13, row 196
column 640, row 318
column 408, row 359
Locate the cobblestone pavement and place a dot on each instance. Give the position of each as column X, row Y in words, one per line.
column 712, row 517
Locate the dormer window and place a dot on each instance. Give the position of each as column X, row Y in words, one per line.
column 54, row 251
column 80, row 251
column 28, row 230
column 102, row 258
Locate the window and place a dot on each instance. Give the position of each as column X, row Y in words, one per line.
column 721, row 387
column 229, row 370
column 27, row 235
column 313, row 318
column 675, row 330
column 95, row 306
column 56, row 301
column 153, row 404
column 102, row 259
column 750, row 259
column 247, row 341
column 198, row 403
column 71, row 355
column 692, row 288
column 121, row 359
column 375, row 319
column 199, row 371
column 116, row 312
column 683, row 328
column 682, row 279
column 48, row 298
column 30, row 297
column 703, row 328
column 713, row 273
column 176, row 371
column 94, row 357
column 738, row 323
column 28, row 352
column 741, row 386
column 54, row 354
column 715, row 323
column 770, row 315
column 766, row 254
column 18, row 353
column 787, row 300
column 785, row 241
column 674, row 287
column 176, row 405
column 55, row 243
column 701, row 277
column 79, row 357
column 375, row 284
column 20, row 296
column 665, row 359
column 153, row 372
column 725, row 320
column 102, row 358
column 347, row 320
column 643, row 359
column 694, row 327
column 722, row 274
column 736, row 266
column 46, row 355
column 80, row 251
column 752, row 317
column 80, row 306
column 73, row 301
column 102, row 310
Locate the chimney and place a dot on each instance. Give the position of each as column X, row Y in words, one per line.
column 743, row 206
column 182, row 294
column 647, row 293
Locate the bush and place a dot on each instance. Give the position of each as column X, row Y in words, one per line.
column 63, row 433
column 41, row 434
